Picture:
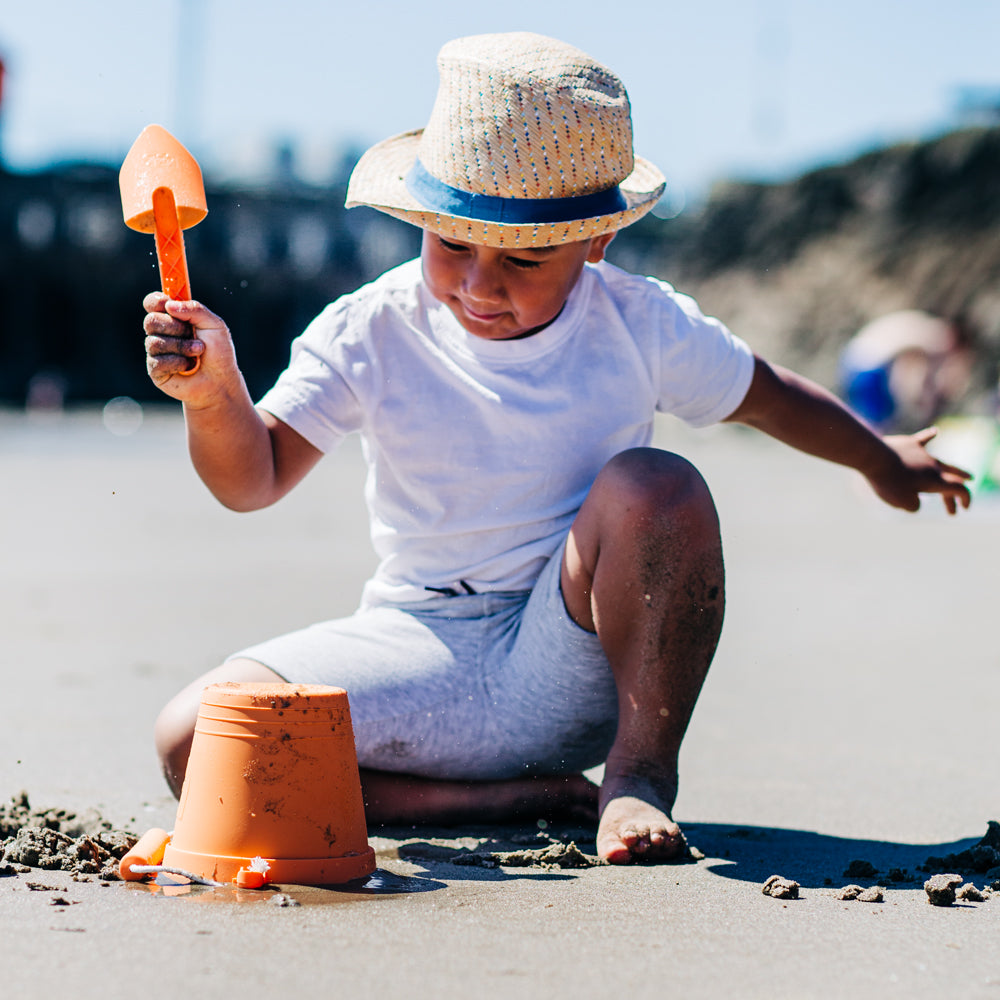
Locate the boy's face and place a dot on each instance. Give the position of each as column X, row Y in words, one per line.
column 500, row 294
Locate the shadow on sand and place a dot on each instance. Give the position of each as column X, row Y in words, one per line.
column 754, row 853
column 742, row 853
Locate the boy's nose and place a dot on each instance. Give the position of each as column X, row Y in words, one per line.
column 481, row 282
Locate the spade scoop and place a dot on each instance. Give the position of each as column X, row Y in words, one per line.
column 163, row 193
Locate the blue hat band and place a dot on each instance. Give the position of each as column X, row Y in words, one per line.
column 436, row 196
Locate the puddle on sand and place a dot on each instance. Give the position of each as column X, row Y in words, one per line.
column 379, row 883
column 385, row 883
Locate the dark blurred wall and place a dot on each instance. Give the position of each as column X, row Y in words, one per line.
column 72, row 276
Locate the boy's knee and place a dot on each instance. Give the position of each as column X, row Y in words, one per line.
column 646, row 484
column 649, row 518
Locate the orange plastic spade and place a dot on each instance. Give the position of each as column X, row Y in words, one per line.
column 163, row 193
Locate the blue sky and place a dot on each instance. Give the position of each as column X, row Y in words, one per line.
column 760, row 88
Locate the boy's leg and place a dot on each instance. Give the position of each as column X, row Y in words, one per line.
column 390, row 798
column 643, row 569
column 402, row 799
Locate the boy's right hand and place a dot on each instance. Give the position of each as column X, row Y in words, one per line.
column 177, row 334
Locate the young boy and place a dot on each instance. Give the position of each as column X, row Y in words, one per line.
column 550, row 591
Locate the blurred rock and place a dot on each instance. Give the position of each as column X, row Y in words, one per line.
column 797, row 268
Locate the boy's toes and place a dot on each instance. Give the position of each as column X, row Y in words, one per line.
column 620, row 848
column 614, row 849
column 622, row 839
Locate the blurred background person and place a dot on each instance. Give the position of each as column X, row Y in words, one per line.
column 903, row 370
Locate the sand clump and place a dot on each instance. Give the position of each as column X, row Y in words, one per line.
column 971, row 894
column 940, row 889
column 778, row 887
column 82, row 844
column 554, row 856
column 873, row 894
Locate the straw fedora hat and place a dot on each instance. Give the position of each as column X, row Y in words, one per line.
column 529, row 144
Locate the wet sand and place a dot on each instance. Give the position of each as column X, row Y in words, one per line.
column 849, row 717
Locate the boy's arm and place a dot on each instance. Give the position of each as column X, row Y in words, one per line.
column 802, row 414
column 246, row 457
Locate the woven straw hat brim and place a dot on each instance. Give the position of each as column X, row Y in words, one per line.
column 379, row 181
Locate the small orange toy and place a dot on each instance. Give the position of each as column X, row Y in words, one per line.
column 148, row 850
column 163, row 193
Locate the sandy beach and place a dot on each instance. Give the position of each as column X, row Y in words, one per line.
column 850, row 716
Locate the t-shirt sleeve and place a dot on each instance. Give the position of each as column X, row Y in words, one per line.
column 317, row 394
column 704, row 369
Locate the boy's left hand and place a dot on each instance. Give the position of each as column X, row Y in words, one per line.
column 915, row 470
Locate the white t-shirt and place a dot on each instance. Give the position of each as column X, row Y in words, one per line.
column 481, row 452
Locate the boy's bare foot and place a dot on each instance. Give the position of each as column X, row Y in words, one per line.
column 635, row 820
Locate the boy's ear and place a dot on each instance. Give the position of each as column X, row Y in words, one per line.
column 598, row 246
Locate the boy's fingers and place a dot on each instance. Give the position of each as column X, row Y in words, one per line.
column 160, row 324
column 159, row 346
column 184, row 308
column 193, row 312
column 155, row 302
column 187, row 311
column 162, row 368
column 953, row 493
column 954, row 470
column 952, row 498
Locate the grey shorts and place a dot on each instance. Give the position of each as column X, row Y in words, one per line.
column 479, row 686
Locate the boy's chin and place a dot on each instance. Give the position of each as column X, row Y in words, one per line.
column 486, row 329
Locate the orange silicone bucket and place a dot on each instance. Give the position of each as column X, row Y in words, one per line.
column 273, row 773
